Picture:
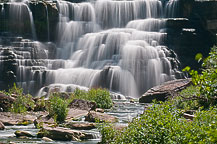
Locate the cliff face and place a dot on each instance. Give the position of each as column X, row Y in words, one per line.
column 195, row 33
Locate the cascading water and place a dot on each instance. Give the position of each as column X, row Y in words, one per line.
column 48, row 24
column 18, row 12
column 118, row 45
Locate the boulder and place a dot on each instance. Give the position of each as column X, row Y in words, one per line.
column 5, row 102
column 80, row 126
column 22, row 134
column 161, row 92
column 2, row 127
column 82, row 104
column 62, row 134
column 43, row 121
column 100, row 117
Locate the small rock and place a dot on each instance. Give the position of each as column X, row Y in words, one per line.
column 2, row 127
column 22, row 133
column 80, row 126
column 100, row 110
column 47, row 139
column 188, row 116
column 101, row 117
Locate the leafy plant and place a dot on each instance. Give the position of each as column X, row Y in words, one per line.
column 163, row 123
column 186, row 99
column 100, row 96
column 22, row 102
column 57, row 108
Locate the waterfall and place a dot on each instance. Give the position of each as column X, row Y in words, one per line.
column 19, row 12
column 114, row 44
column 118, row 45
column 48, row 24
column 172, row 8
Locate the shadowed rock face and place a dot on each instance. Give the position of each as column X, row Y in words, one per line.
column 162, row 92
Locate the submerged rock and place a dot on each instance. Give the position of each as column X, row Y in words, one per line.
column 22, row 134
column 101, row 117
column 62, row 134
column 161, row 92
column 2, row 126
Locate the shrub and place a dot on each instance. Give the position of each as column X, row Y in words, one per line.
column 57, row 108
column 100, row 96
column 164, row 124
column 22, row 102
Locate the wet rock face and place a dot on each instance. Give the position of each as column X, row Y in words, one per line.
column 44, row 15
column 45, row 18
column 8, row 67
column 162, row 92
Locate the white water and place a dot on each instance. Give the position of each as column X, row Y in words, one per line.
column 48, row 24
column 114, row 44
column 18, row 11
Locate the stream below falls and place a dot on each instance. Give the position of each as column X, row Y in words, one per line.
column 124, row 110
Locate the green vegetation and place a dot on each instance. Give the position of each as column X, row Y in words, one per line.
column 23, row 102
column 100, row 96
column 205, row 84
column 57, row 107
column 165, row 123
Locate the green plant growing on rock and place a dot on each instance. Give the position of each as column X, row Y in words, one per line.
column 57, row 108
